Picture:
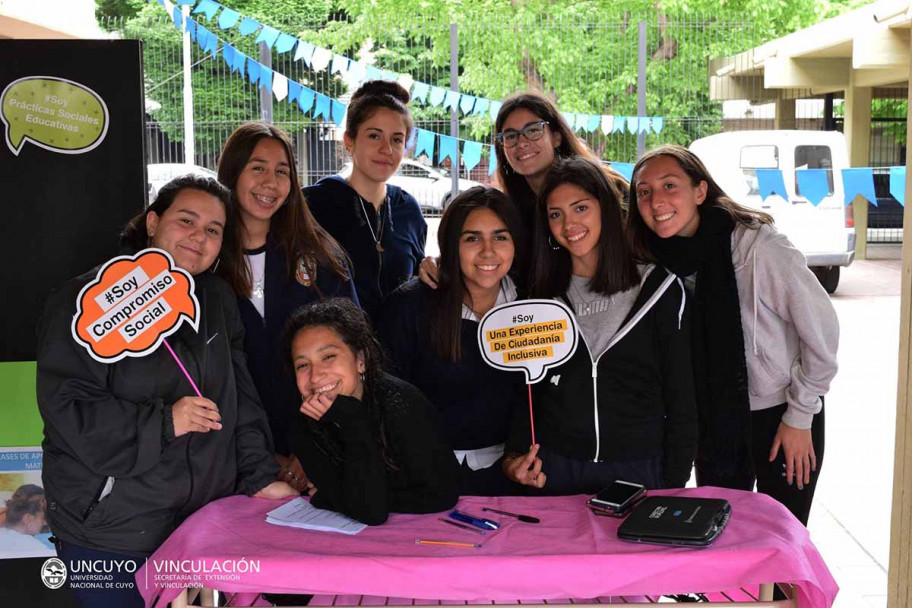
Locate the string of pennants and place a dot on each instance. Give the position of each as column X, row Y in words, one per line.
column 814, row 184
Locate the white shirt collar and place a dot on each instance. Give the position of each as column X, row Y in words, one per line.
column 506, row 294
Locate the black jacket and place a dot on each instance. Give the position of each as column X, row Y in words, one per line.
column 636, row 402
column 106, row 421
column 268, row 365
column 474, row 399
column 337, row 207
column 341, row 455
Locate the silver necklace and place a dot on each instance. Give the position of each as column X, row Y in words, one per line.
column 379, row 233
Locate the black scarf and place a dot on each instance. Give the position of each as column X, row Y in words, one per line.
column 720, row 368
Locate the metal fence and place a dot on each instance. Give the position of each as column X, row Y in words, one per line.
column 588, row 64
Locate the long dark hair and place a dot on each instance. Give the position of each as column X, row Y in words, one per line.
column 370, row 97
column 135, row 235
column 616, row 270
column 445, row 310
column 352, row 325
column 514, row 184
column 637, row 230
column 293, row 226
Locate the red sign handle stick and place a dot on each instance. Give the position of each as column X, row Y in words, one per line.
column 531, row 420
column 193, row 384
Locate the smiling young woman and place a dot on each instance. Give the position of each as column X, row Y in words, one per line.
column 288, row 261
column 430, row 334
column 379, row 225
column 371, row 442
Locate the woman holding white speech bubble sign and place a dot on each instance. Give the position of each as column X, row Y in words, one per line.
column 288, row 261
column 130, row 451
column 622, row 407
column 372, row 442
column 531, row 134
column 765, row 331
column 431, row 334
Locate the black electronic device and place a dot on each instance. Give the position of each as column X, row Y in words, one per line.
column 617, row 499
column 676, row 520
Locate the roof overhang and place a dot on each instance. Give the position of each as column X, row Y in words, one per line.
column 867, row 47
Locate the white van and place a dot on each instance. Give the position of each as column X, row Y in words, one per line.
column 825, row 233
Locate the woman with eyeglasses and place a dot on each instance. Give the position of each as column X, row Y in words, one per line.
column 531, row 135
column 379, row 225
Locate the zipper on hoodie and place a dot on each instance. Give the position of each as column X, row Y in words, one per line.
column 617, row 337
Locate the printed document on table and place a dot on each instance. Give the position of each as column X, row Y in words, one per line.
column 299, row 513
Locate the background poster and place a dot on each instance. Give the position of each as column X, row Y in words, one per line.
column 23, row 523
column 65, row 202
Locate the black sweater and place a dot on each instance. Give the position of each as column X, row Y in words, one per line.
column 342, row 456
column 474, row 399
column 337, row 207
column 636, row 403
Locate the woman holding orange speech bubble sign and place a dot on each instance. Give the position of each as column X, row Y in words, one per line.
column 287, row 261
column 622, row 407
column 130, row 450
column 431, row 334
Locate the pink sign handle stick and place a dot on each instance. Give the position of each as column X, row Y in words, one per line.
column 199, row 394
column 531, row 420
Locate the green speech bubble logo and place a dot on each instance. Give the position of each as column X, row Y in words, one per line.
column 53, row 113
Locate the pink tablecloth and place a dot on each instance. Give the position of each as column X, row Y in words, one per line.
column 571, row 554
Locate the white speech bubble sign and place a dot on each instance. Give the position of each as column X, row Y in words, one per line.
column 528, row 335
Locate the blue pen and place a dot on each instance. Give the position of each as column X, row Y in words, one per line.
column 478, row 522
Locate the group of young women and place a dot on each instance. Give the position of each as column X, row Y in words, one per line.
column 704, row 337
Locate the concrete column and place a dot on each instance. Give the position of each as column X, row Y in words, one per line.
column 785, row 114
column 899, row 579
column 858, row 139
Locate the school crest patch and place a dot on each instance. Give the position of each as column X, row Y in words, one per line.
column 306, row 272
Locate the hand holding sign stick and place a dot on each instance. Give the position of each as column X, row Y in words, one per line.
column 532, row 336
column 128, row 310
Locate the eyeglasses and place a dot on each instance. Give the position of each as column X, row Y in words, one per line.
column 532, row 132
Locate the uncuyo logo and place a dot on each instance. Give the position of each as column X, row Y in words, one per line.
column 53, row 573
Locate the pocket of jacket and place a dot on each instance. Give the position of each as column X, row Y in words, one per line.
column 93, row 512
column 780, row 376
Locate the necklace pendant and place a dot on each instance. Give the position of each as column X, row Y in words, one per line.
column 379, row 248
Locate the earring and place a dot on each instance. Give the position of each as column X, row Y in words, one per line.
column 361, row 375
column 557, row 153
column 553, row 245
column 215, row 267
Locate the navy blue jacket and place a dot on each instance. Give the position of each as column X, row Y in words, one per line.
column 336, row 206
column 262, row 335
column 475, row 400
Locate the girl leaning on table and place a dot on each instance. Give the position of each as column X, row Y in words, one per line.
column 622, row 407
column 371, row 443
column 288, row 260
column 431, row 334
column 379, row 225
column 129, row 450
column 764, row 333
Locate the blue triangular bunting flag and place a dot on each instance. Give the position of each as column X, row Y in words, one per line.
column 240, row 62
column 305, row 51
column 212, row 44
column 813, row 184
column 253, row 70
column 619, row 123
column 306, row 99
column 285, row 43
column 632, row 123
column 228, row 18
column 190, row 27
column 494, row 110
column 658, row 123
column 643, row 124
column 338, row 112
column 448, row 149
column 323, row 107
column 625, row 169
column 268, row 35
column 357, row 71
column 228, row 55
column 202, row 37
column 471, row 154
column 858, row 181
column 374, row 73
column 178, row 17
column 898, row 184
column 770, row 182
column 593, row 122
column 425, row 143
column 294, row 91
column 481, row 106
column 466, row 103
column 436, row 96
column 582, row 120
column 208, row 8
column 265, row 78
column 420, row 92
column 248, row 26
column 492, row 160
column 451, row 101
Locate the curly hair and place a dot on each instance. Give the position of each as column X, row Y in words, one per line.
column 352, row 325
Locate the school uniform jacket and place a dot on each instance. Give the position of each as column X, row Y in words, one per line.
column 110, row 427
column 634, row 401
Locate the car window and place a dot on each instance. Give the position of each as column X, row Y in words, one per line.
column 757, row 157
column 409, row 170
column 814, row 157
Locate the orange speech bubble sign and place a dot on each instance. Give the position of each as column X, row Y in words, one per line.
column 132, row 305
